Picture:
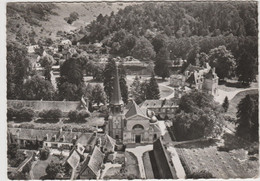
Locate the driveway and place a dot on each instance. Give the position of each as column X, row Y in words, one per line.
column 230, row 94
column 138, row 152
column 107, row 167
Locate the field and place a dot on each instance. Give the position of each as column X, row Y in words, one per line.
column 39, row 166
column 233, row 164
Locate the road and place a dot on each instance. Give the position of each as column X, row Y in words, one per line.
column 138, row 152
column 230, row 94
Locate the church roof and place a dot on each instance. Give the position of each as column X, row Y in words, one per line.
column 135, row 110
column 116, row 96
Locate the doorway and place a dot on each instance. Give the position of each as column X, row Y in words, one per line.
column 137, row 138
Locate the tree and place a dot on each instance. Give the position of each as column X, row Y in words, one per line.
column 159, row 42
column 198, row 116
column 247, row 125
column 225, row 104
column 153, row 91
column 201, row 59
column 12, row 150
column 143, row 50
column 246, row 68
column 37, row 88
column 162, row 63
column 44, row 153
column 98, row 95
column 136, row 90
column 223, row 60
column 53, row 169
column 71, row 71
column 18, row 68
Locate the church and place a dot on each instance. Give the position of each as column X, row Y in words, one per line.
column 130, row 124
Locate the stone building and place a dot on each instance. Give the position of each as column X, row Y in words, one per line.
column 130, row 124
column 202, row 79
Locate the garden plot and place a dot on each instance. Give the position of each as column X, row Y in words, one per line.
column 225, row 165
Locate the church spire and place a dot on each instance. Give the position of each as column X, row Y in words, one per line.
column 116, row 95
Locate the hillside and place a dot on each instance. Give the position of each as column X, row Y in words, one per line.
column 38, row 24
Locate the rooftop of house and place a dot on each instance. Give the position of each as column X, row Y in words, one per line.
column 94, row 162
column 159, row 104
column 47, row 135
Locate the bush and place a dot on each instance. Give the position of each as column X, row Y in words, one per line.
column 21, row 114
column 26, row 113
column 52, row 114
column 200, row 174
column 44, row 153
column 78, row 116
column 11, row 114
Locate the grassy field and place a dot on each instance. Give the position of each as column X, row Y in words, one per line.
column 232, row 110
column 38, row 170
column 233, row 164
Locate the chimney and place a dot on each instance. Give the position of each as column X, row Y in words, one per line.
column 213, row 70
column 63, row 137
column 47, row 136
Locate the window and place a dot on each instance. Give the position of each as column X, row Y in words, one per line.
column 117, row 137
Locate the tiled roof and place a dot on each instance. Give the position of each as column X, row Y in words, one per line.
column 135, row 110
column 84, row 138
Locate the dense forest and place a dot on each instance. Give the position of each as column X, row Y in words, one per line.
column 161, row 31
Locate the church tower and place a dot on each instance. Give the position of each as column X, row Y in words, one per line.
column 116, row 117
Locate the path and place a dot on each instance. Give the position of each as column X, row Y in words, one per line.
column 177, row 163
column 230, row 94
column 31, row 173
column 107, row 167
column 138, row 152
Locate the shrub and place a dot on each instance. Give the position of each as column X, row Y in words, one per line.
column 200, row 174
column 11, row 114
column 25, row 114
column 78, row 116
column 52, row 114
column 44, row 153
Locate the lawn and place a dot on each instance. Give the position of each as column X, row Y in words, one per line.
column 164, row 91
column 38, row 170
column 131, row 167
column 233, row 164
column 148, row 166
column 232, row 110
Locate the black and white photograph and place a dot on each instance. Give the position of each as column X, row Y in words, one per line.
column 100, row 90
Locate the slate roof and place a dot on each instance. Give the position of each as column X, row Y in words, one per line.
column 108, row 142
column 159, row 104
column 135, row 110
column 84, row 138
column 116, row 96
column 94, row 161
column 33, row 134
